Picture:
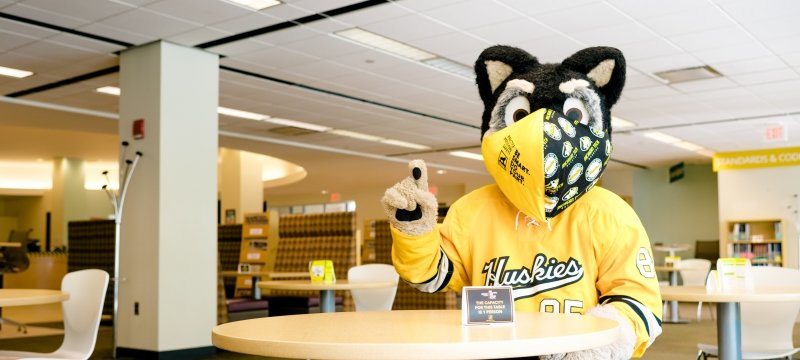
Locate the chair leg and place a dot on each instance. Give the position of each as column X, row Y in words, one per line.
column 20, row 326
column 701, row 354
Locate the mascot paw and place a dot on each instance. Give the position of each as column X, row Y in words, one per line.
column 408, row 204
column 622, row 349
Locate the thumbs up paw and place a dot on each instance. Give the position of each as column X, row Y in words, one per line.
column 408, row 204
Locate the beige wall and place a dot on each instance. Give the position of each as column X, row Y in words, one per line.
column 679, row 212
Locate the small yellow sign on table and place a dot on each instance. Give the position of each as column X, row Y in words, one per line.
column 321, row 271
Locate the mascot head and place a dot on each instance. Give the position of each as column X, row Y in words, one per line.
column 546, row 131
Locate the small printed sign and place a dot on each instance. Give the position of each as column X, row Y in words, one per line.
column 321, row 271
column 487, row 305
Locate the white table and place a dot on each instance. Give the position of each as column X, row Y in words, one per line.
column 20, row 297
column 729, row 333
column 674, row 316
column 327, row 301
column 411, row 334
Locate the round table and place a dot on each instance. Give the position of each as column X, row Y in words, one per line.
column 729, row 334
column 671, row 248
column 20, row 297
column 255, row 277
column 674, row 317
column 412, row 334
column 327, row 302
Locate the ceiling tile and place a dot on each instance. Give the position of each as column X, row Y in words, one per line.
column 197, row 36
column 511, row 32
column 325, row 47
column 647, row 50
column 407, row 28
column 701, row 17
column 749, row 11
column 615, row 35
column 372, row 14
column 588, row 16
column 315, row 6
column 704, row 85
column 747, row 66
column 643, row 9
column 742, row 50
column 87, row 10
column 765, row 76
column 158, row 25
column 670, row 62
column 714, row 38
column 111, row 31
column 246, row 23
column 202, row 12
column 10, row 40
column 277, row 57
column 25, row 30
column 453, row 14
column 447, row 45
column 423, row 5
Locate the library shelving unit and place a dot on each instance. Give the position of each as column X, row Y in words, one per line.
column 259, row 239
column 761, row 241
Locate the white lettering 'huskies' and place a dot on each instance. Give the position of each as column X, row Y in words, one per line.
column 546, row 274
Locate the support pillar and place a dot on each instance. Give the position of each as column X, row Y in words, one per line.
column 168, row 258
column 241, row 187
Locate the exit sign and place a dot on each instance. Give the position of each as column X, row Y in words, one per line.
column 775, row 133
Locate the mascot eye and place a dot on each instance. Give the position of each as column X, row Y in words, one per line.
column 575, row 110
column 517, row 108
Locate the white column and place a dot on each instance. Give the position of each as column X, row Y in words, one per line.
column 68, row 198
column 240, row 185
column 168, row 257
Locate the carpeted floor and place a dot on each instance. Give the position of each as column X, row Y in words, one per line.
column 678, row 341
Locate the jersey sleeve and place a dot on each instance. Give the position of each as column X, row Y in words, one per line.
column 430, row 262
column 626, row 274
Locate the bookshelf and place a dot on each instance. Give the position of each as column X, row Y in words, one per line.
column 761, row 241
column 259, row 239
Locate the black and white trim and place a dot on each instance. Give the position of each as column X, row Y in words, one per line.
column 651, row 323
column 439, row 280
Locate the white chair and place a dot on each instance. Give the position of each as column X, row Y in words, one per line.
column 373, row 299
column 694, row 272
column 82, row 311
column 766, row 327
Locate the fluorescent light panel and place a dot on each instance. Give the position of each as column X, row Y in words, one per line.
column 110, row 90
column 355, row 135
column 297, row 124
column 15, row 73
column 451, row 67
column 467, row 155
column 240, row 113
column 375, row 41
column 257, row 4
column 683, row 144
column 659, row 136
column 405, row 144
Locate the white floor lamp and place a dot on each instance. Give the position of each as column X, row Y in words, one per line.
column 118, row 200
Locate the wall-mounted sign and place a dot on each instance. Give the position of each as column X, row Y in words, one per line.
column 776, row 133
column 757, row 159
column 676, row 172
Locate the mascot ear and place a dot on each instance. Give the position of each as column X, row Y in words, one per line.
column 603, row 65
column 495, row 64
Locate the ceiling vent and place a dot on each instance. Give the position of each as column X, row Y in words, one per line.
column 291, row 131
column 688, row 74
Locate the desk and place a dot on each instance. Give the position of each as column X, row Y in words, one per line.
column 19, row 297
column 411, row 334
column 674, row 316
column 327, row 302
column 256, row 277
column 729, row 333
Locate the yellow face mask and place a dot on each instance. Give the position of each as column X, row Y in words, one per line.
column 545, row 162
column 514, row 157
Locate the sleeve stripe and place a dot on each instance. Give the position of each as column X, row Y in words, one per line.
column 439, row 280
column 649, row 320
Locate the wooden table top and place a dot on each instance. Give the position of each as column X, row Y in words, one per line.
column 267, row 274
column 411, row 334
column 308, row 285
column 19, row 297
column 700, row 293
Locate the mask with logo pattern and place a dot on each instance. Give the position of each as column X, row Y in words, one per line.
column 573, row 156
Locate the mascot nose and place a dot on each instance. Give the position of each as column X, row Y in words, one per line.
column 417, row 172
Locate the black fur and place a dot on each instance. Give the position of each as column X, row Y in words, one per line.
column 547, row 77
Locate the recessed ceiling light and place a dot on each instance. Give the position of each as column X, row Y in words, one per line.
column 257, row 4
column 441, row 172
column 297, row 124
column 240, row 113
column 375, row 41
column 15, row 73
column 451, row 67
column 110, row 90
column 467, row 155
column 688, row 74
column 405, row 144
column 355, row 135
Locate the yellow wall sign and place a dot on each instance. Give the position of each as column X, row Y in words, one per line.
column 757, row 159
